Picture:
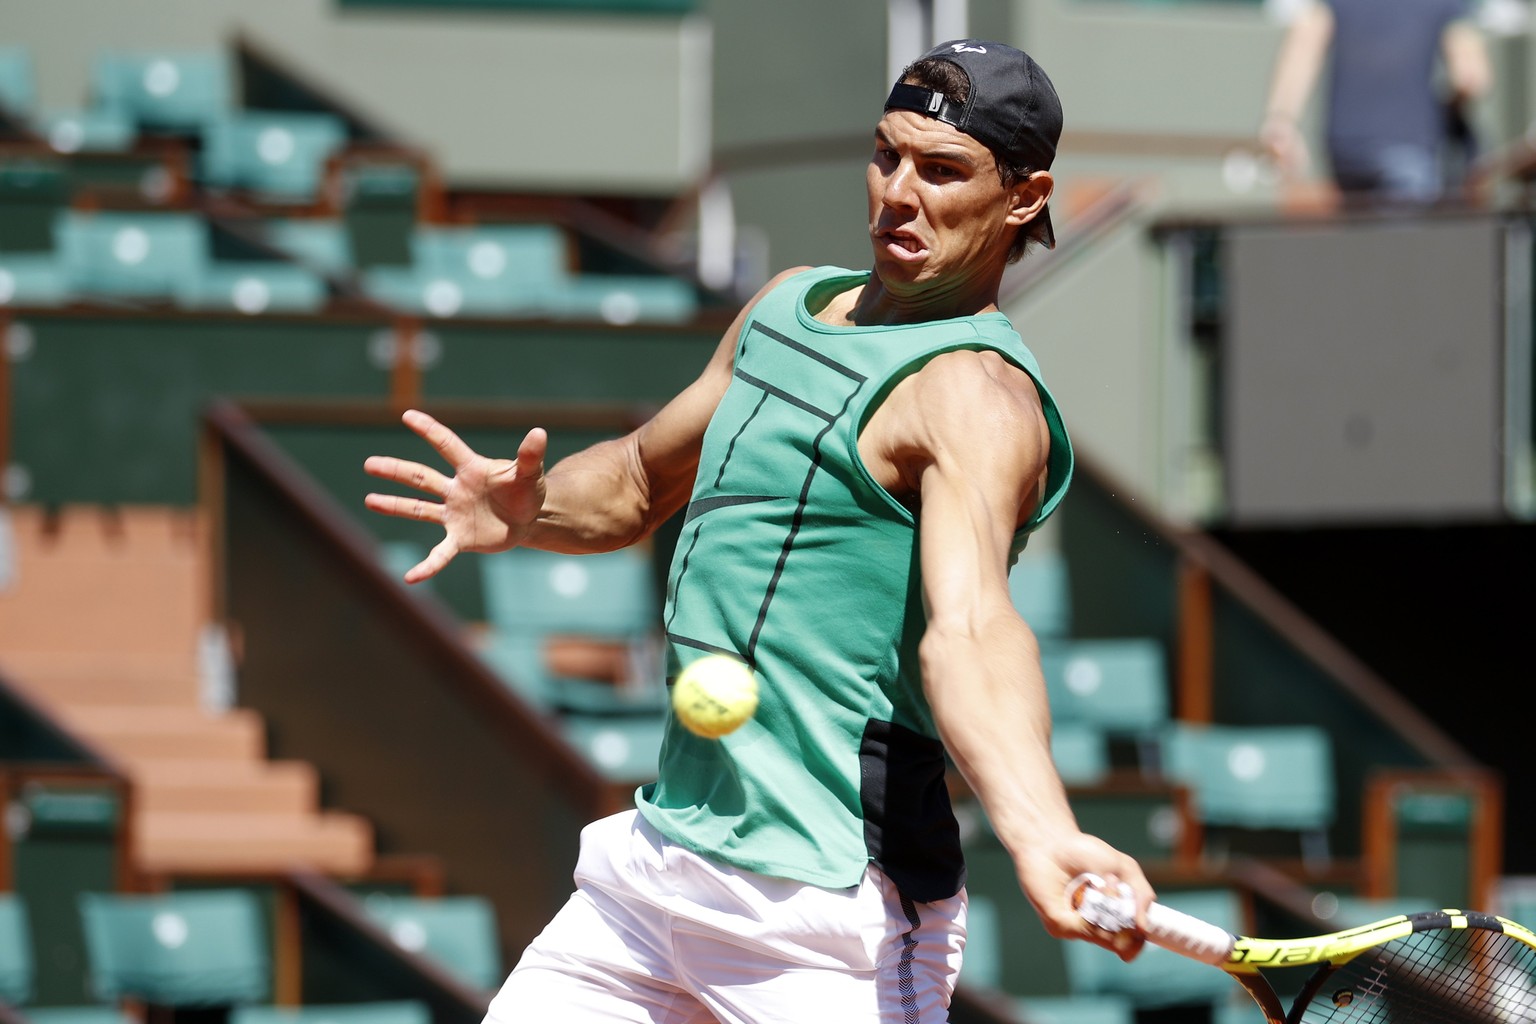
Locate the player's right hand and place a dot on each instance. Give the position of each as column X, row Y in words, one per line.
column 486, row 505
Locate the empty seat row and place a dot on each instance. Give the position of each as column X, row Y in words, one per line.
column 514, row 270
column 277, row 156
column 519, row 270
column 208, row 948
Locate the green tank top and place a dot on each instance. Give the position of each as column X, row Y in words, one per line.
column 791, row 556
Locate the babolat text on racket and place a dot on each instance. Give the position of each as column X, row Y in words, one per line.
column 1443, row 966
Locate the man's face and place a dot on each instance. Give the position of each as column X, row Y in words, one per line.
column 938, row 213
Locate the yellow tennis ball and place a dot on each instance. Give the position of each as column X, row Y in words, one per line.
column 715, row 695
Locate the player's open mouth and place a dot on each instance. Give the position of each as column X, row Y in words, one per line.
column 902, row 245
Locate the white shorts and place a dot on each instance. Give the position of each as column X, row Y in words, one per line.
column 655, row 934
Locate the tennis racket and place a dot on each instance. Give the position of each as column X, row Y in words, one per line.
column 1446, row 966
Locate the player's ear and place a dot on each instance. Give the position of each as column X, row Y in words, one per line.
column 1028, row 197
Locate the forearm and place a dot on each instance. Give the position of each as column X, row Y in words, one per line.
column 598, row 499
column 989, row 702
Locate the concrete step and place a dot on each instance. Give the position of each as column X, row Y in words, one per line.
column 224, row 786
column 191, row 843
column 143, row 733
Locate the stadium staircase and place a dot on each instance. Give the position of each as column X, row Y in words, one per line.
column 102, row 624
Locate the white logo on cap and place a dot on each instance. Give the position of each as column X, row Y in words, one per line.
column 962, row 48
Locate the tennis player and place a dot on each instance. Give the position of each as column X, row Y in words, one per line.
column 858, row 467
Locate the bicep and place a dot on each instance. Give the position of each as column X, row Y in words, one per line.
column 983, row 461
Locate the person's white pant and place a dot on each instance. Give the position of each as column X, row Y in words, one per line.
column 655, row 934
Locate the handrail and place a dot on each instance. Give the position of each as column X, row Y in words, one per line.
column 1287, row 621
column 236, row 431
column 450, row 997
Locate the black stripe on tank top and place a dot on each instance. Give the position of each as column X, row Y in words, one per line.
column 795, row 524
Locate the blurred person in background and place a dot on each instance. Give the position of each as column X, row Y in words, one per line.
column 1402, row 76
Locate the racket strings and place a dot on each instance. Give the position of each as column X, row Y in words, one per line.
column 1440, row 976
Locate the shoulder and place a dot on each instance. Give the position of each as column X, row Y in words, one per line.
column 976, row 383
column 972, row 408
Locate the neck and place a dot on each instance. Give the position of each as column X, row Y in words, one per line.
column 879, row 303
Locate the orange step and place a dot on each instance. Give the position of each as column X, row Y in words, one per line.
column 221, row 842
column 202, row 787
column 137, row 733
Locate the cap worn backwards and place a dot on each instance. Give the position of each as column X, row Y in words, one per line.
column 1012, row 107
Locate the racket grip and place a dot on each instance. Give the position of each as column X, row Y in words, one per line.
column 1171, row 929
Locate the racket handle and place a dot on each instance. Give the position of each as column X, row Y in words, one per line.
column 1171, row 929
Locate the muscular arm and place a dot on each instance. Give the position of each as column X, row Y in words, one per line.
column 612, row 494
column 975, row 453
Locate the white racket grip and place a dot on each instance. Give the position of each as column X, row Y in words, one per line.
column 1172, row 929
column 1188, row 936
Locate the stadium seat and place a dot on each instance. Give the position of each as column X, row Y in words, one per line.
column 1076, row 1010
column 457, row 932
column 321, row 244
column 254, row 287
column 531, row 596
column 183, row 948
column 476, row 271
column 394, row 1012
column 172, row 91
column 131, row 255
column 32, row 279
column 626, row 299
column 1256, row 778
column 624, row 748
column 275, row 156
column 1157, row 978
column 88, row 131
column 1038, row 584
column 610, row 594
column 18, row 83
column 1081, row 753
column 1119, row 685
column 15, row 951
column 17, row 978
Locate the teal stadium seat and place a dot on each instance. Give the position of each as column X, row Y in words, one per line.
column 321, row 244
column 177, row 949
column 15, row 951
column 176, row 91
column 1076, row 1010
column 1118, row 685
column 626, row 299
column 1038, row 584
column 18, row 83
column 274, row 156
column 131, row 255
column 456, row 932
column 254, row 287
column 17, row 977
column 88, row 131
column 1257, row 778
column 32, row 279
column 530, row 596
column 625, row 748
column 1081, row 753
column 503, row 270
column 393, row 1012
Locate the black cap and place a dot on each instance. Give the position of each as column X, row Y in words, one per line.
column 1012, row 108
